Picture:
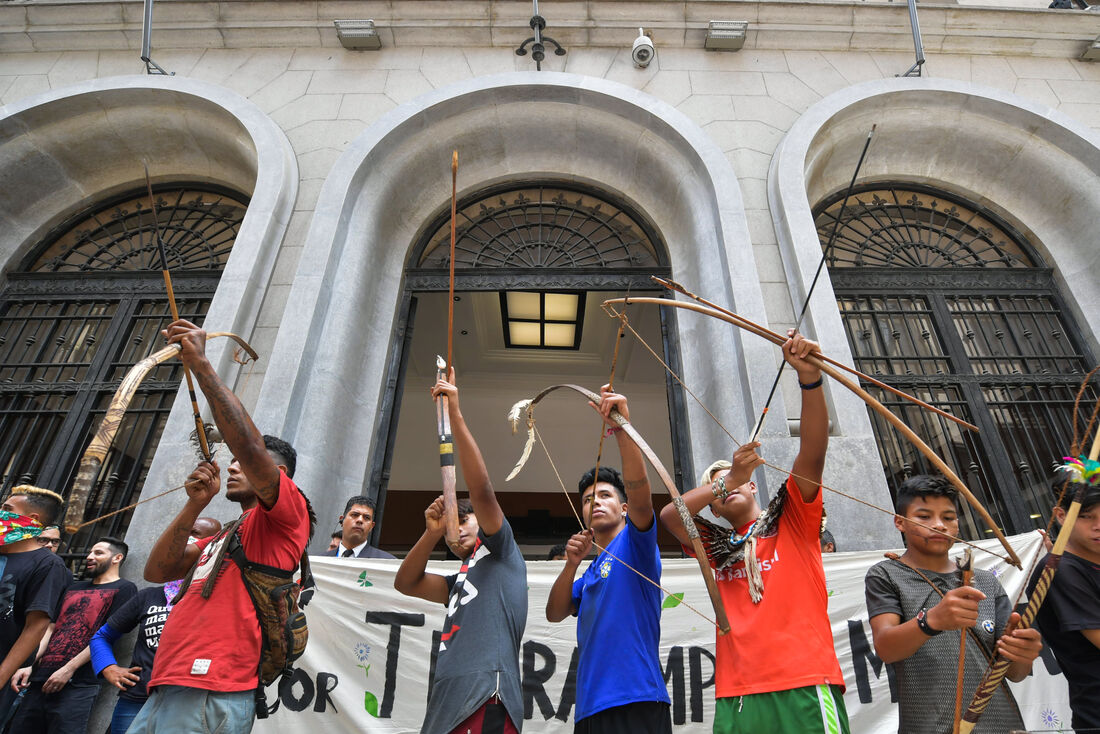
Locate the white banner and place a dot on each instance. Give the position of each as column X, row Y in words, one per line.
column 370, row 651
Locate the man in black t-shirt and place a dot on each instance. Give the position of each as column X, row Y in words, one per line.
column 62, row 686
column 1069, row 618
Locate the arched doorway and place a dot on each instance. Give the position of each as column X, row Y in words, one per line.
column 533, row 262
column 943, row 298
column 84, row 306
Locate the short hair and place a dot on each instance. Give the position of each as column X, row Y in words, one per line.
column 286, row 453
column 338, row 533
column 827, row 537
column 1090, row 499
column 923, row 486
column 117, row 546
column 363, row 501
column 43, row 501
column 465, row 509
column 608, row 475
column 557, row 550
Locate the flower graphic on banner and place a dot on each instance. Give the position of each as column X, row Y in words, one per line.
column 370, row 701
column 363, row 581
column 1050, row 719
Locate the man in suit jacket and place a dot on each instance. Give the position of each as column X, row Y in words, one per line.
column 357, row 522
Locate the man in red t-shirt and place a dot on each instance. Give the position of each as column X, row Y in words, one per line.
column 205, row 672
column 776, row 670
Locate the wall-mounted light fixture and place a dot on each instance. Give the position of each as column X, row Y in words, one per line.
column 726, row 35
column 358, row 35
column 542, row 320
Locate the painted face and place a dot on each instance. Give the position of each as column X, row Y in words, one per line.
column 99, row 559
column 357, row 524
column 938, row 513
column 603, row 503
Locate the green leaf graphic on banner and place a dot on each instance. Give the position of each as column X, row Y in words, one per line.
column 673, row 600
column 363, row 580
column 370, row 703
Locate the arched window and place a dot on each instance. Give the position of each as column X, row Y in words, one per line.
column 945, row 300
column 86, row 305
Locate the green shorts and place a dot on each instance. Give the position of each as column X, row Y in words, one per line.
column 797, row 711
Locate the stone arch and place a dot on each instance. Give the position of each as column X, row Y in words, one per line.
column 333, row 345
column 66, row 147
column 1036, row 168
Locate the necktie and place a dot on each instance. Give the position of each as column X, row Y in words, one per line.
column 348, row 553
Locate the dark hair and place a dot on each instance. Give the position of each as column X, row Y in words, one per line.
column 46, row 503
column 288, row 457
column 1090, row 499
column 338, row 533
column 309, row 513
column 827, row 537
column 557, row 550
column 465, row 509
column 607, row 474
column 363, row 501
column 117, row 546
column 922, row 486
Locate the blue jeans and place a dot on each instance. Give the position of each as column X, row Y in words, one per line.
column 125, row 711
column 183, row 710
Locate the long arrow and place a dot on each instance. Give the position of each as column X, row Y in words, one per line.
column 200, row 429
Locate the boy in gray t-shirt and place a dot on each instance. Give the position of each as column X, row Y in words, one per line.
column 477, row 680
column 917, row 605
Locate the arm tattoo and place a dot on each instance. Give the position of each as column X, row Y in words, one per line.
column 177, row 544
column 632, row 484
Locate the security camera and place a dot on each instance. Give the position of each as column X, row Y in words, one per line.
column 642, row 52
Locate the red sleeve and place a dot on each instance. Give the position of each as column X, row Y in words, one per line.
column 277, row 537
column 803, row 518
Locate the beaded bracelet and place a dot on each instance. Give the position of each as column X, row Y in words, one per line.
column 812, row 385
column 718, row 488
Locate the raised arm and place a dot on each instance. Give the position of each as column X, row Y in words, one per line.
column 489, row 515
column 745, row 461
column 639, row 501
column 411, row 578
column 172, row 557
column 809, row 465
column 559, row 604
column 236, row 426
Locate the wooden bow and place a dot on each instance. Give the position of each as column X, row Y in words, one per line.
column 96, row 453
column 666, row 479
column 818, row 360
column 997, row 670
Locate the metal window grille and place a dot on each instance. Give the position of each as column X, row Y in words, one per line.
column 945, row 300
column 87, row 304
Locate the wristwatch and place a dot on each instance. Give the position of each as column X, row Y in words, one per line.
column 922, row 622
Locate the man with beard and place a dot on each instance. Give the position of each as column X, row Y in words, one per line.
column 205, row 674
column 62, row 685
column 356, row 525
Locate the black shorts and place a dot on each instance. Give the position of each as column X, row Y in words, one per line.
column 641, row 717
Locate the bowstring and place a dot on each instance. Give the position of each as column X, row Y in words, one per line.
column 576, row 514
column 789, row 472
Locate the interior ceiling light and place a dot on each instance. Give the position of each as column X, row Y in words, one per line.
column 541, row 319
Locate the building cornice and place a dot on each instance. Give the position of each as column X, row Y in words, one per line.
column 68, row 25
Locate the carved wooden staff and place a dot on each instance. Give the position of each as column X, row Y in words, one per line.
column 966, row 571
column 999, row 668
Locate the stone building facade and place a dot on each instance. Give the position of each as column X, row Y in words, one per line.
column 733, row 163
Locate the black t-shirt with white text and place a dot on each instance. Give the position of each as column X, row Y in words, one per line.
column 32, row 581
column 1072, row 605
column 146, row 611
column 84, row 608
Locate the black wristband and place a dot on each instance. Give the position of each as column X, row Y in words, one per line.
column 812, row 385
column 922, row 622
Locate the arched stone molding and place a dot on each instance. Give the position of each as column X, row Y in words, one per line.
column 1036, row 167
column 326, row 389
column 62, row 148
